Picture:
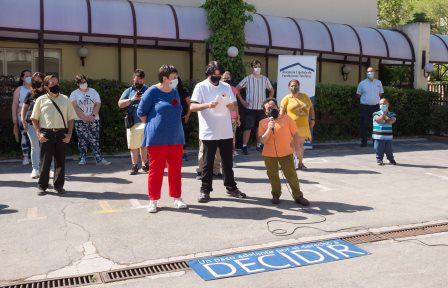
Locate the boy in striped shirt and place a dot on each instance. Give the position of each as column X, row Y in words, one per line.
column 382, row 133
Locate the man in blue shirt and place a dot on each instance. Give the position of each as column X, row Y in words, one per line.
column 369, row 92
column 130, row 100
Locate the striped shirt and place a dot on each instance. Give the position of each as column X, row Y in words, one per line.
column 383, row 130
column 255, row 90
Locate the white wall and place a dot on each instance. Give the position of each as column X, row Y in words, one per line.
column 354, row 12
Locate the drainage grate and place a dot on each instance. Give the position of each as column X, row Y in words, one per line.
column 58, row 282
column 402, row 233
column 143, row 271
column 363, row 238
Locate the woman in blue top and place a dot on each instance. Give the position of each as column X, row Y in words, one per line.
column 161, row 111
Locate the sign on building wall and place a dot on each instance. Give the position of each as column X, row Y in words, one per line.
column 302, row 68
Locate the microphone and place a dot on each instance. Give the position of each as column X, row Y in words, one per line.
column 270, row 119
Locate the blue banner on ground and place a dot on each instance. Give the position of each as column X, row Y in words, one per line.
column 217, row 267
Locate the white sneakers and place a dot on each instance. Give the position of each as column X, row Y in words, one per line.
column 34, row 174
column 152, row 208
column 103, row 162
column 26, row 160
column 82, row 161
column 178, row 203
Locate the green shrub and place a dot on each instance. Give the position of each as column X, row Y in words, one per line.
column 439, row 120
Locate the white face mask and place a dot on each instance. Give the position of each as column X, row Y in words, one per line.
column 83, row 86
column 257, row 70
column 174, row 83
column 28, row 80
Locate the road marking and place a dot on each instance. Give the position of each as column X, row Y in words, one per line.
column 136, row 204
column 32, row 214
column 322, row 188
column 438, row 176
column 105, row 208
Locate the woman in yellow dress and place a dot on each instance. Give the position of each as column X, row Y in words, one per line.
column 299, row 107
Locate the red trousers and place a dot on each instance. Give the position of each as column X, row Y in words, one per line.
column 159, row 156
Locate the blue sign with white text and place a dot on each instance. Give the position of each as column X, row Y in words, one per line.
column 217, row 267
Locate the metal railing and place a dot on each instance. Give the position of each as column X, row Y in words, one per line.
column 442, row 89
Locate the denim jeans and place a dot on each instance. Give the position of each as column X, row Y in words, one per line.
column 383, row 147
column 35, row 147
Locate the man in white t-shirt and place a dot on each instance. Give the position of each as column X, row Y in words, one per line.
column 213, row 99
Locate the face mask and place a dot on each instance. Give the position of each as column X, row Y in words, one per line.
column 36, row 84
column 383, row 107
column 28, row 80
column 294, row 89
column 174, row 83
column 273, row 112
column 55, row 89
column 83, row 86
column 227, row 81
column 370, row 75
column 215, row 79
column 257, row 70
column 138, row 86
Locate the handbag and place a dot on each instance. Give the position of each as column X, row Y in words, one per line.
column 129, row 120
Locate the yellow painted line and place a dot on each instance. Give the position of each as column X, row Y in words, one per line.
column 106, row 208
column 32, row 214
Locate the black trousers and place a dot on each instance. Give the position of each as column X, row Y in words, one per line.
column 226, row 150
column 53, row 148
column 366, row 112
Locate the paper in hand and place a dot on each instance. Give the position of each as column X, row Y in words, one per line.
column 223, row 101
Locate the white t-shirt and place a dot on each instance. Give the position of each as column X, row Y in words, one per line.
column 86, row 101
column 216, row 123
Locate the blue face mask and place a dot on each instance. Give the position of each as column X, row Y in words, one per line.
column 383, row 107
column 173, row 83
column 370, row 75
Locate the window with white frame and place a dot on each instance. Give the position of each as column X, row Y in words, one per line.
column 15, row 60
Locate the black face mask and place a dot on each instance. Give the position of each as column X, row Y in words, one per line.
column 215, row 79
column 227, row 81
column 36, row 84
column 273, row 112
column 55, row 89
column 138, row 86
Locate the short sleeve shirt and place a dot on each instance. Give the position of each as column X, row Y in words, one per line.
column 132, row 109
column 284, row 131
column 85, row 101
column 48, row 116
column 255, row 90
column 370, row 91
column 213, row 124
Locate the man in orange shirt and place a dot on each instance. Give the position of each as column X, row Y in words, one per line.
column 276, row 133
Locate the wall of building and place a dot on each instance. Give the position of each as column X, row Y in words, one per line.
column 340, row 11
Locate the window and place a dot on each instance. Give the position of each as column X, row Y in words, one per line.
column 13, row 61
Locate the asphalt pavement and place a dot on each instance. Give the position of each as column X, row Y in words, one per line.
column 102, row 223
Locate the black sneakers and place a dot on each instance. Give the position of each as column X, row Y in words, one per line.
column 302, row 201
column 392, row 162
column 244, row 150
column 275, row 200
column 236, row 193
column 60, row 191
column 41, row 191
column 204, row 197
column 145, row 168
column 379, row 162
column 134, row 169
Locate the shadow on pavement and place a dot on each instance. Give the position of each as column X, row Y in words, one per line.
column 340, row 171
column 20, row 184
column 421, row 166
column 101, row 195
column 3, row 209
column 95, row 179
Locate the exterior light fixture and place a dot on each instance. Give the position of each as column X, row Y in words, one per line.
column 345, row 70
column 83, row 52
column 427, row 68
column 232, row 51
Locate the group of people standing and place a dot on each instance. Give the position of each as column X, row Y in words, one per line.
column 160, row 113
column 46, row 120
